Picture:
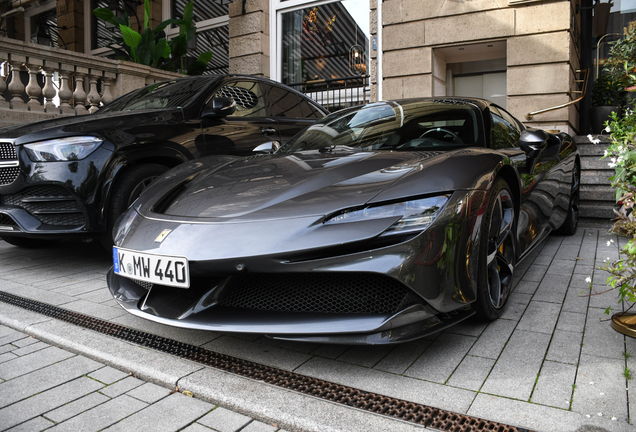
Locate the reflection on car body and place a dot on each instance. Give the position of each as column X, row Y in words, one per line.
column 377, row 224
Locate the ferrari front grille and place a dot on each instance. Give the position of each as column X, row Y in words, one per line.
column 347, row 293
column 53, row 205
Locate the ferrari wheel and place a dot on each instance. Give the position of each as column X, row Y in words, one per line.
column 497, row 253
column 126, row 190
column 572, row 219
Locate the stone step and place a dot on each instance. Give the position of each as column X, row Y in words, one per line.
column 597, row 193
column 596, row 209
column 596, row 177
column 596, row 150
column 596, row 163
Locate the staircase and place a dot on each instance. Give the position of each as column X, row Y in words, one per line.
column 597, row 195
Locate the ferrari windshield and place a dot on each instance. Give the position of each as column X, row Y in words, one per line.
column 169, row 94
column 418, row 125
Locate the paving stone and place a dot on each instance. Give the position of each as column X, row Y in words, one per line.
column 28, row 363
column 371, row 380
column 224, row 420
column 526, row 287
column 31, row 348
column 584, row 270
column 20, row 343
column 571, row 321
column 540, row 317
column 104, row 415
column 33, row 425
column 493, row 339
column 10, row 337
column 561, row 267
column 108, row 375
column 7, row 356
column 544, row 259
column 271, row 356
column 45, row 378
column 149, row 393
column 7, row 348
column 301, row 347
column 257, row 426
column 100, row 295
column 46, row 401
column 517, row 368
column 76, row 407
column 121, row 387
column 600, row 387
column 469, row 327
column 553, row 288
column 600, row 339
column 330, row 351
column 169, row 414
column 554, row 387
column 402, row 356
column 535, row 273
column 94, row 309
column 196, row 427
column 439, row 360
column 565, row 347
column 38, row 294
column 366, row 356
column 576, row 300
column 471, row 373
column 568, row 252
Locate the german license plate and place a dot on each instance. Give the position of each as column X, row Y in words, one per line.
column 157, row 269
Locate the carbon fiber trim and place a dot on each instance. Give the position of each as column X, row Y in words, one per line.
column 431, row 417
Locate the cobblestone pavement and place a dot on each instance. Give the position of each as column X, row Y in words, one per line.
column 550, row 363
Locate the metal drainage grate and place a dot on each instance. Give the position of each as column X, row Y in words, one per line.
column 392, row 407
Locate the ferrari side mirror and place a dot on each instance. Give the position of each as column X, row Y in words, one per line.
column 267, row 148
column 532, row 141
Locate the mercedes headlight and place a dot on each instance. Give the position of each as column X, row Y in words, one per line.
column 415, row 215
column 62, row 149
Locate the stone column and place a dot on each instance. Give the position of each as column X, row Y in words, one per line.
column 79, row 95
column 15, row 86
column 108, row 79
column 70, row 19
column 93, row 97
column 33, row 89
column 249, row 37
column 65, row 92
column 48, row 91
column 3, row 85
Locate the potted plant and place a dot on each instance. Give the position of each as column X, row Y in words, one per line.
column 607, row 96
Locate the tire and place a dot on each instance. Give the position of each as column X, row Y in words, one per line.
column 497, row 253
column 27, row 242
column 127, row 188
column 572, row 219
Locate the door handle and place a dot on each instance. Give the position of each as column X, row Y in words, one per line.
column 268, row 131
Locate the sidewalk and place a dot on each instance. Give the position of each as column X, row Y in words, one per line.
column 45, row 387
column 549, row 364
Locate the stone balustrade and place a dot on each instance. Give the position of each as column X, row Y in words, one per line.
column 84, row 82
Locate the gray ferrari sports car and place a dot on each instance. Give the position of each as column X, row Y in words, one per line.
column 378, row 224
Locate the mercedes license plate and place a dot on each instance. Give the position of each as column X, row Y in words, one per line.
column 157, row 269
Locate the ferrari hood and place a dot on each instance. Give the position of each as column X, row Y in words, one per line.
column 299, row 185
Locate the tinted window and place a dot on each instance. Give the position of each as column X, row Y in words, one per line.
column 505, row 132
column 248, row 96
column 308, row 110
column 283, row 103
column 171, row 94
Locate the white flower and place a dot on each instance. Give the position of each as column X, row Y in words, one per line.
column 611, row 241
column 607, row 129
column 608, row 243
column 607, row 259
column 593, row 140
column 600, row 414
column 591, row 382
column 588, row 416
column 611, row 165
column 605, row 154
column 602, row 394
column 588, row 279
column 614, row 419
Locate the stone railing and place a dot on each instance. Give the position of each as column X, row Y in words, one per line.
column 85, row 82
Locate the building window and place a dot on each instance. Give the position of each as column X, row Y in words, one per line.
column 318, row 40
column 40, row 25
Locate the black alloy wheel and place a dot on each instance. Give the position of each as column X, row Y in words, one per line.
column 572, row 218
column 497, row 253
column 127, row 189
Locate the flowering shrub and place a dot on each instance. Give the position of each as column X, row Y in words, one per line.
column 622, row 156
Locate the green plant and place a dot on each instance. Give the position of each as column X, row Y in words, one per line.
column 627, row 373
column 622, row 155
column 621, row 63
column 151, row 47
column 627, row 354
column 607, row 92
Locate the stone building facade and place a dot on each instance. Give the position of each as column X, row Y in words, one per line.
column 523, row 54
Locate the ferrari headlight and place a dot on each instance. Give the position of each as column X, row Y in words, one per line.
column 414, row 215
column 63, row 149
column 123, row 224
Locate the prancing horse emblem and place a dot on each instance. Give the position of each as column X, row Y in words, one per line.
column 163, row 235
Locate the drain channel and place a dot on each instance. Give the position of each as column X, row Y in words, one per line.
column 408, row 411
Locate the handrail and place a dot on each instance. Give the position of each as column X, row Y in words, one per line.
column 586, row 74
